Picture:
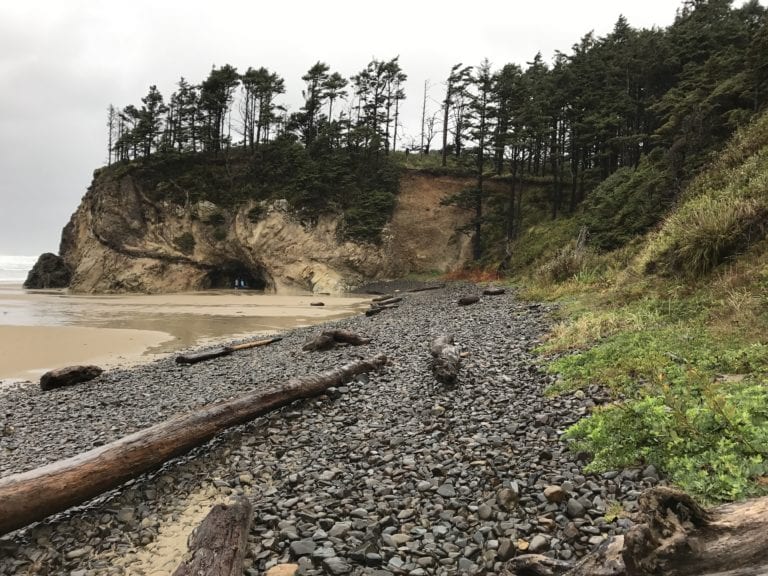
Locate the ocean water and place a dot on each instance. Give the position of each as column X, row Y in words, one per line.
column 14, row 269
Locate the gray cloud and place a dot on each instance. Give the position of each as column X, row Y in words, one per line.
column 63, row 63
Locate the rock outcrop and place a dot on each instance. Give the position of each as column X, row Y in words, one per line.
column 50, row 271
column 120, row 240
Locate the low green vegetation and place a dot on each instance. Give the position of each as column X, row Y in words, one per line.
column 361, row 187
column 673, row 326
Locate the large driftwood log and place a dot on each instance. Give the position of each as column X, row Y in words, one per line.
column 33, row 495
column 196, row 357
column 328, row 339
column 446, row 359
column 674, row 536
column 217, row 547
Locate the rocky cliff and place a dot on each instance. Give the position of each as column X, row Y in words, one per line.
column 120, row 240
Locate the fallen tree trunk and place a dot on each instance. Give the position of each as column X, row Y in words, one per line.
column 387, row 301
column 446, row 360
column 425, row 288
column 217, row 547
column 33, row 495
column 674, row 536
column 196, row 357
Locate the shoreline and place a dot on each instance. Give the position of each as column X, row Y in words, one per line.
column 50, row 329
column 436, row 464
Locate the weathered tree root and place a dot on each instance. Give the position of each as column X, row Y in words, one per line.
column 673, row 536
column 329, row 339
column 217, row 547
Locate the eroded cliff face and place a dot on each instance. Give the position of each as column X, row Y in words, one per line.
column 119, row 240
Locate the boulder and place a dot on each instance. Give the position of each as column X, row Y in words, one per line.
column 50, row 271
column 68, row 376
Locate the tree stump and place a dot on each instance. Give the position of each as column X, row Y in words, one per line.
column 217, row 547
column 674, row 536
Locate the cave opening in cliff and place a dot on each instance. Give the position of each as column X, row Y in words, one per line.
column 236, row 275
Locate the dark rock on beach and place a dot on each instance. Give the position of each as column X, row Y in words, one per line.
column 50, row 271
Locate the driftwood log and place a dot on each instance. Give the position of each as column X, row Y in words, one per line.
column 217, row 547
column 328, row 339
column 673, row 536
column 382, row 297
column 33, row 495
column 196, row 357
column 68, row 376
column 387, row 301
column 425, row 288
column 467, row 300
column 446, row 359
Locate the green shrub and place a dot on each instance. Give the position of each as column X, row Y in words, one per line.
column 185, row 243
column 567, row 263
column 365, row 220
column 626, row 204
column 710, row 438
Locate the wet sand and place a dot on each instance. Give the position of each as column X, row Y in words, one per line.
column 41, row 330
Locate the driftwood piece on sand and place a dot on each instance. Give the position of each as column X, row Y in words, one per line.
column 493, row 291
column 467, row 300
column 674, row 536
column 382, row 297
column 425, row 288
column 195, row 357
column 387, row 301
column 446, row 359
column 33, row 495
column 68, row 376
column 328, row 339
column 217, row 547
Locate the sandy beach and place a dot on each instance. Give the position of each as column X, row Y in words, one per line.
column 41, row 330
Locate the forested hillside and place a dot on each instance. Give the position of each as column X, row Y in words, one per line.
column 611, row 129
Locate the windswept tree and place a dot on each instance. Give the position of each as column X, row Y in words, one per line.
column 112, row 131
column 334, row 88
column 150, row 120
column 260, row 87
column 183, row 117
column 455, row 92
column 482, row 118
column 216, row 96
column 314, row 93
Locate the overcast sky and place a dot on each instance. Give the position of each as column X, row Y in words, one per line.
column 63, row 62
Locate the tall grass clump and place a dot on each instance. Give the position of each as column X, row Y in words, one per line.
column 721, row 214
